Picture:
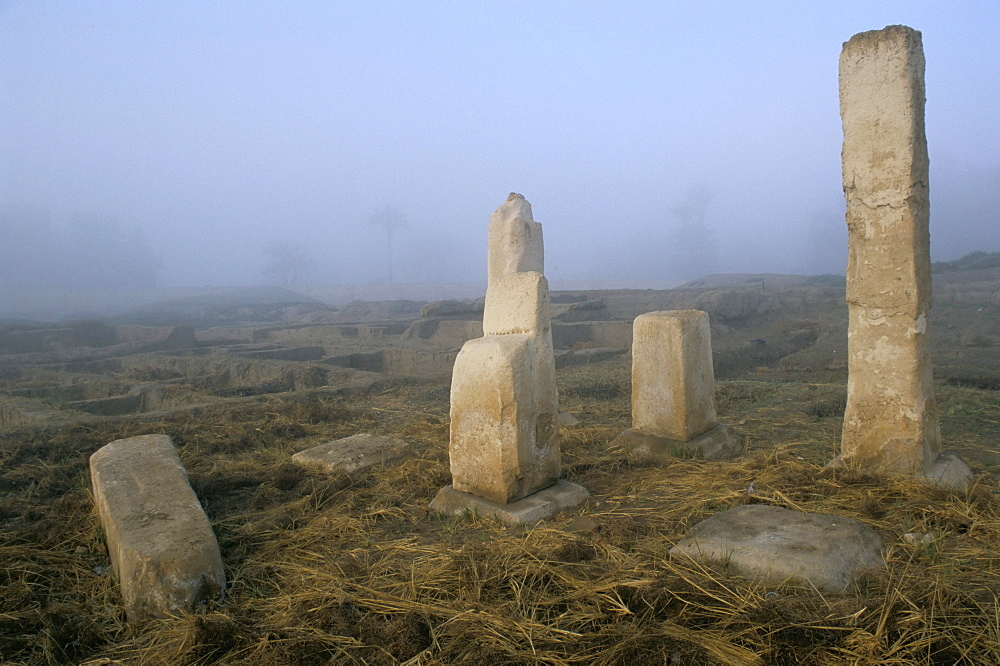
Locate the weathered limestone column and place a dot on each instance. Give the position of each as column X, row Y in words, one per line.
column 504, row 448
column 673, row 389
column 503, row 396
column 890, row 420
column 160, row 542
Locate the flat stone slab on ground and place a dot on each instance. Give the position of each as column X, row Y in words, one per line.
column 537, row 506
column 355, row 452
column 719, row 443
column 775, row 544
column 160, row 541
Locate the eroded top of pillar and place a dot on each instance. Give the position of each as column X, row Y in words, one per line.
column 515, row 239
column 882, row 107
column 885, row 171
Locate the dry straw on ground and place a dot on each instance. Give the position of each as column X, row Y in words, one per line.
column 353, row 570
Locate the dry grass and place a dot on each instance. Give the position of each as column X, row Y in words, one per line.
column 353, row 570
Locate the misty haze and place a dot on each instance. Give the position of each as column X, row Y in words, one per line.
column 175, row 146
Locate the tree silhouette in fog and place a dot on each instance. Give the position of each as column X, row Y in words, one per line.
column 287, row 263
column 390, row 220
column 695, row 250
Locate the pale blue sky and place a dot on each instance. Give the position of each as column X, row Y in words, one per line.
column 216, row 127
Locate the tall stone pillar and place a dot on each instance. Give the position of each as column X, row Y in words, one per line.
column 504, row 447
column 891, row 420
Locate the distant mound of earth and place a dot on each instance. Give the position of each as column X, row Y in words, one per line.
column 769, row 280
column 232, row 306
column 225, row 296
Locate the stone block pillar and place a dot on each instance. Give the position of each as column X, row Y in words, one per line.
column 673, row 382
column 504, row 447
column 673, row 389
column 890, row 421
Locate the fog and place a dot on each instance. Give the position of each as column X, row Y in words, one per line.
column 177, row 144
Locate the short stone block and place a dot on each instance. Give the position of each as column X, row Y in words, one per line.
column 673, row 383
column 354, row 453
column 562, row 496
column 517, row 303
column 774, row 544
column 160, row 541
column 719, row 443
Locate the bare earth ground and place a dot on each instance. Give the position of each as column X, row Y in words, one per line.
column 353, row 569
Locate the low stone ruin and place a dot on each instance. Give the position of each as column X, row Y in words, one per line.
column 354, row 453
column 162, row 548
column 673, row 390
column 504, row 445
column 891, row 420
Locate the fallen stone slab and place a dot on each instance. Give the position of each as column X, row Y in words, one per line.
column 162, row 548
column 354, row 453
column 774, row 544
column 719, row 443
column 543, row 504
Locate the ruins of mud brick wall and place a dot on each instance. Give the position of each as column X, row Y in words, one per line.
column 891, row 419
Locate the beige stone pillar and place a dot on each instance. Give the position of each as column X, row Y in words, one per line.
column 673, row 389
column 503, row 396
column 673, row 382
column 890, row 420
column 504, row 447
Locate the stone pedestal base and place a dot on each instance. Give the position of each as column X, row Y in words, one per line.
column 947, row 470
column 537, row 506
column 719, row 443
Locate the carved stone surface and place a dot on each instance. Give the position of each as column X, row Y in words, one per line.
column 503, row 439
column 514, row 240
column 504, row 406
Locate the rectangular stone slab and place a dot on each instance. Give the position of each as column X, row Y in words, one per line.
column 160, row 541
column 354, row 453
